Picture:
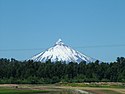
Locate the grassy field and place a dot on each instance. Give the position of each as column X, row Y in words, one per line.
column 99, row 87
column 20, row 91
column 57, row 89
column 103, row 92
column 33, row 89
column 96, row 84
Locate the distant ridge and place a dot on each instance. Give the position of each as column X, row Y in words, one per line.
column 63, row 53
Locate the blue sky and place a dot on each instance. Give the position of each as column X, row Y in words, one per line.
column 35, row 25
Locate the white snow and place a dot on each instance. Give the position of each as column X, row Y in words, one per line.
column 61, row 52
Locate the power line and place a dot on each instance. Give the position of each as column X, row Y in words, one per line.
column 81, row 47
column 21, row 49
column 103, row 46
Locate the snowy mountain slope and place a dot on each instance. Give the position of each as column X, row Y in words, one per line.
column 61, row 52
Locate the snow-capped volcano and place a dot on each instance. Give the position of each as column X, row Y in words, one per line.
column 63, row 53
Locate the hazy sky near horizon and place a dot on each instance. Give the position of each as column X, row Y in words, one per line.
column 93, row 27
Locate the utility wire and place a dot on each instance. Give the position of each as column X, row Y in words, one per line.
column 102, row 46
column 81, row 47
column 21, row 49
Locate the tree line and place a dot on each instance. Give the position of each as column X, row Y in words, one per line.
column 30, row 72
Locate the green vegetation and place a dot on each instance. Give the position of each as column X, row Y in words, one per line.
column 97, row 85
column 20, row 91
column 40, row 90
column 53, row 89
column 103, row 91
column 109, row 92
column 29, row 72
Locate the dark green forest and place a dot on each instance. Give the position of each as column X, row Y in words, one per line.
column 29, row 72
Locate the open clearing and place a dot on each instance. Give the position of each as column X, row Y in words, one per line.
column 53, row 89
